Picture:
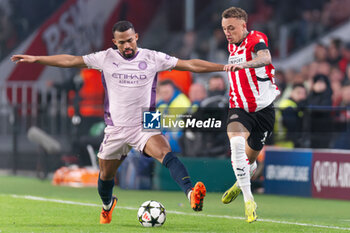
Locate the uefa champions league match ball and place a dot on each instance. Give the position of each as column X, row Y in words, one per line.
column 151, row 214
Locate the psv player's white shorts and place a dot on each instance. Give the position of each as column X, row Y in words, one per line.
column 118, row 140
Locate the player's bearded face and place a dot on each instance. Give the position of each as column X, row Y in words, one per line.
column 128, row 52
column 126, row 42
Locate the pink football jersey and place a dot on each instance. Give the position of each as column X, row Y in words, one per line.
column 130, row 84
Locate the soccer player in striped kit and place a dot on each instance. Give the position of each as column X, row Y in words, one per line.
column 252, row 92
column 129, row 76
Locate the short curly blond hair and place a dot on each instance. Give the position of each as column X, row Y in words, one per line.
column 235, row 12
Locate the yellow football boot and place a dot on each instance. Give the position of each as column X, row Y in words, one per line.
column 250, row 211
column 231, row 194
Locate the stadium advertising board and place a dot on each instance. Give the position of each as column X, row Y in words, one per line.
column 288, row 172
column 331, row 175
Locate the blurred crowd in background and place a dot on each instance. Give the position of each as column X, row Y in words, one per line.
column 303, row 21
column 17, row 21
column 313, row 108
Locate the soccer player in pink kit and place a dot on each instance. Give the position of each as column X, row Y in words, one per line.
column 129, row 76
column 252, row 92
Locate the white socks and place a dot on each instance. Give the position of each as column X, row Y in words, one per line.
column 247, row 193
column 241, row 167
column 247, row 189
column 253, row 167
column 189, row 195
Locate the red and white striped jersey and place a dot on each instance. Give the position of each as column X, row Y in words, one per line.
column 251, row 89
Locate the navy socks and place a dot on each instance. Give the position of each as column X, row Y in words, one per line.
column 105, row 189
column 178, row 172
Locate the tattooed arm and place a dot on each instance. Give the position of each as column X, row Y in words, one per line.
column 263, row 58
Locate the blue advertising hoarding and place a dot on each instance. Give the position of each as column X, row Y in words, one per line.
column 288, row 172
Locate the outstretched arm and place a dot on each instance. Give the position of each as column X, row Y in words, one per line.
column 62, row 60
column 198, row 66
column 263, row 58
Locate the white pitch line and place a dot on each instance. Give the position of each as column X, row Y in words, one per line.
column 54, row 200
column 180, row 213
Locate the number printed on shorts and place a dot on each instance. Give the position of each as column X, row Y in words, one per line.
column 264, row 138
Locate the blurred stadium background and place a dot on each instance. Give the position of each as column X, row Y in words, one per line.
column 309, row 40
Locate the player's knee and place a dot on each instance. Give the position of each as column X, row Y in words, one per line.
column 237, row 144
column 161, row 153
column 107, row 175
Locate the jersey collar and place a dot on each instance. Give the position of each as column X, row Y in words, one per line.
column 131, row 58
column 232, row 47
column 239, row 43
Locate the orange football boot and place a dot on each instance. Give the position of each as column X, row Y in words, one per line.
column 197, row 196
column 106, row 215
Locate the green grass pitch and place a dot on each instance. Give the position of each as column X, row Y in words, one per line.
column 31, row 205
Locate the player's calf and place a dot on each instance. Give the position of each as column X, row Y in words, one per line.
column 178, row 171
